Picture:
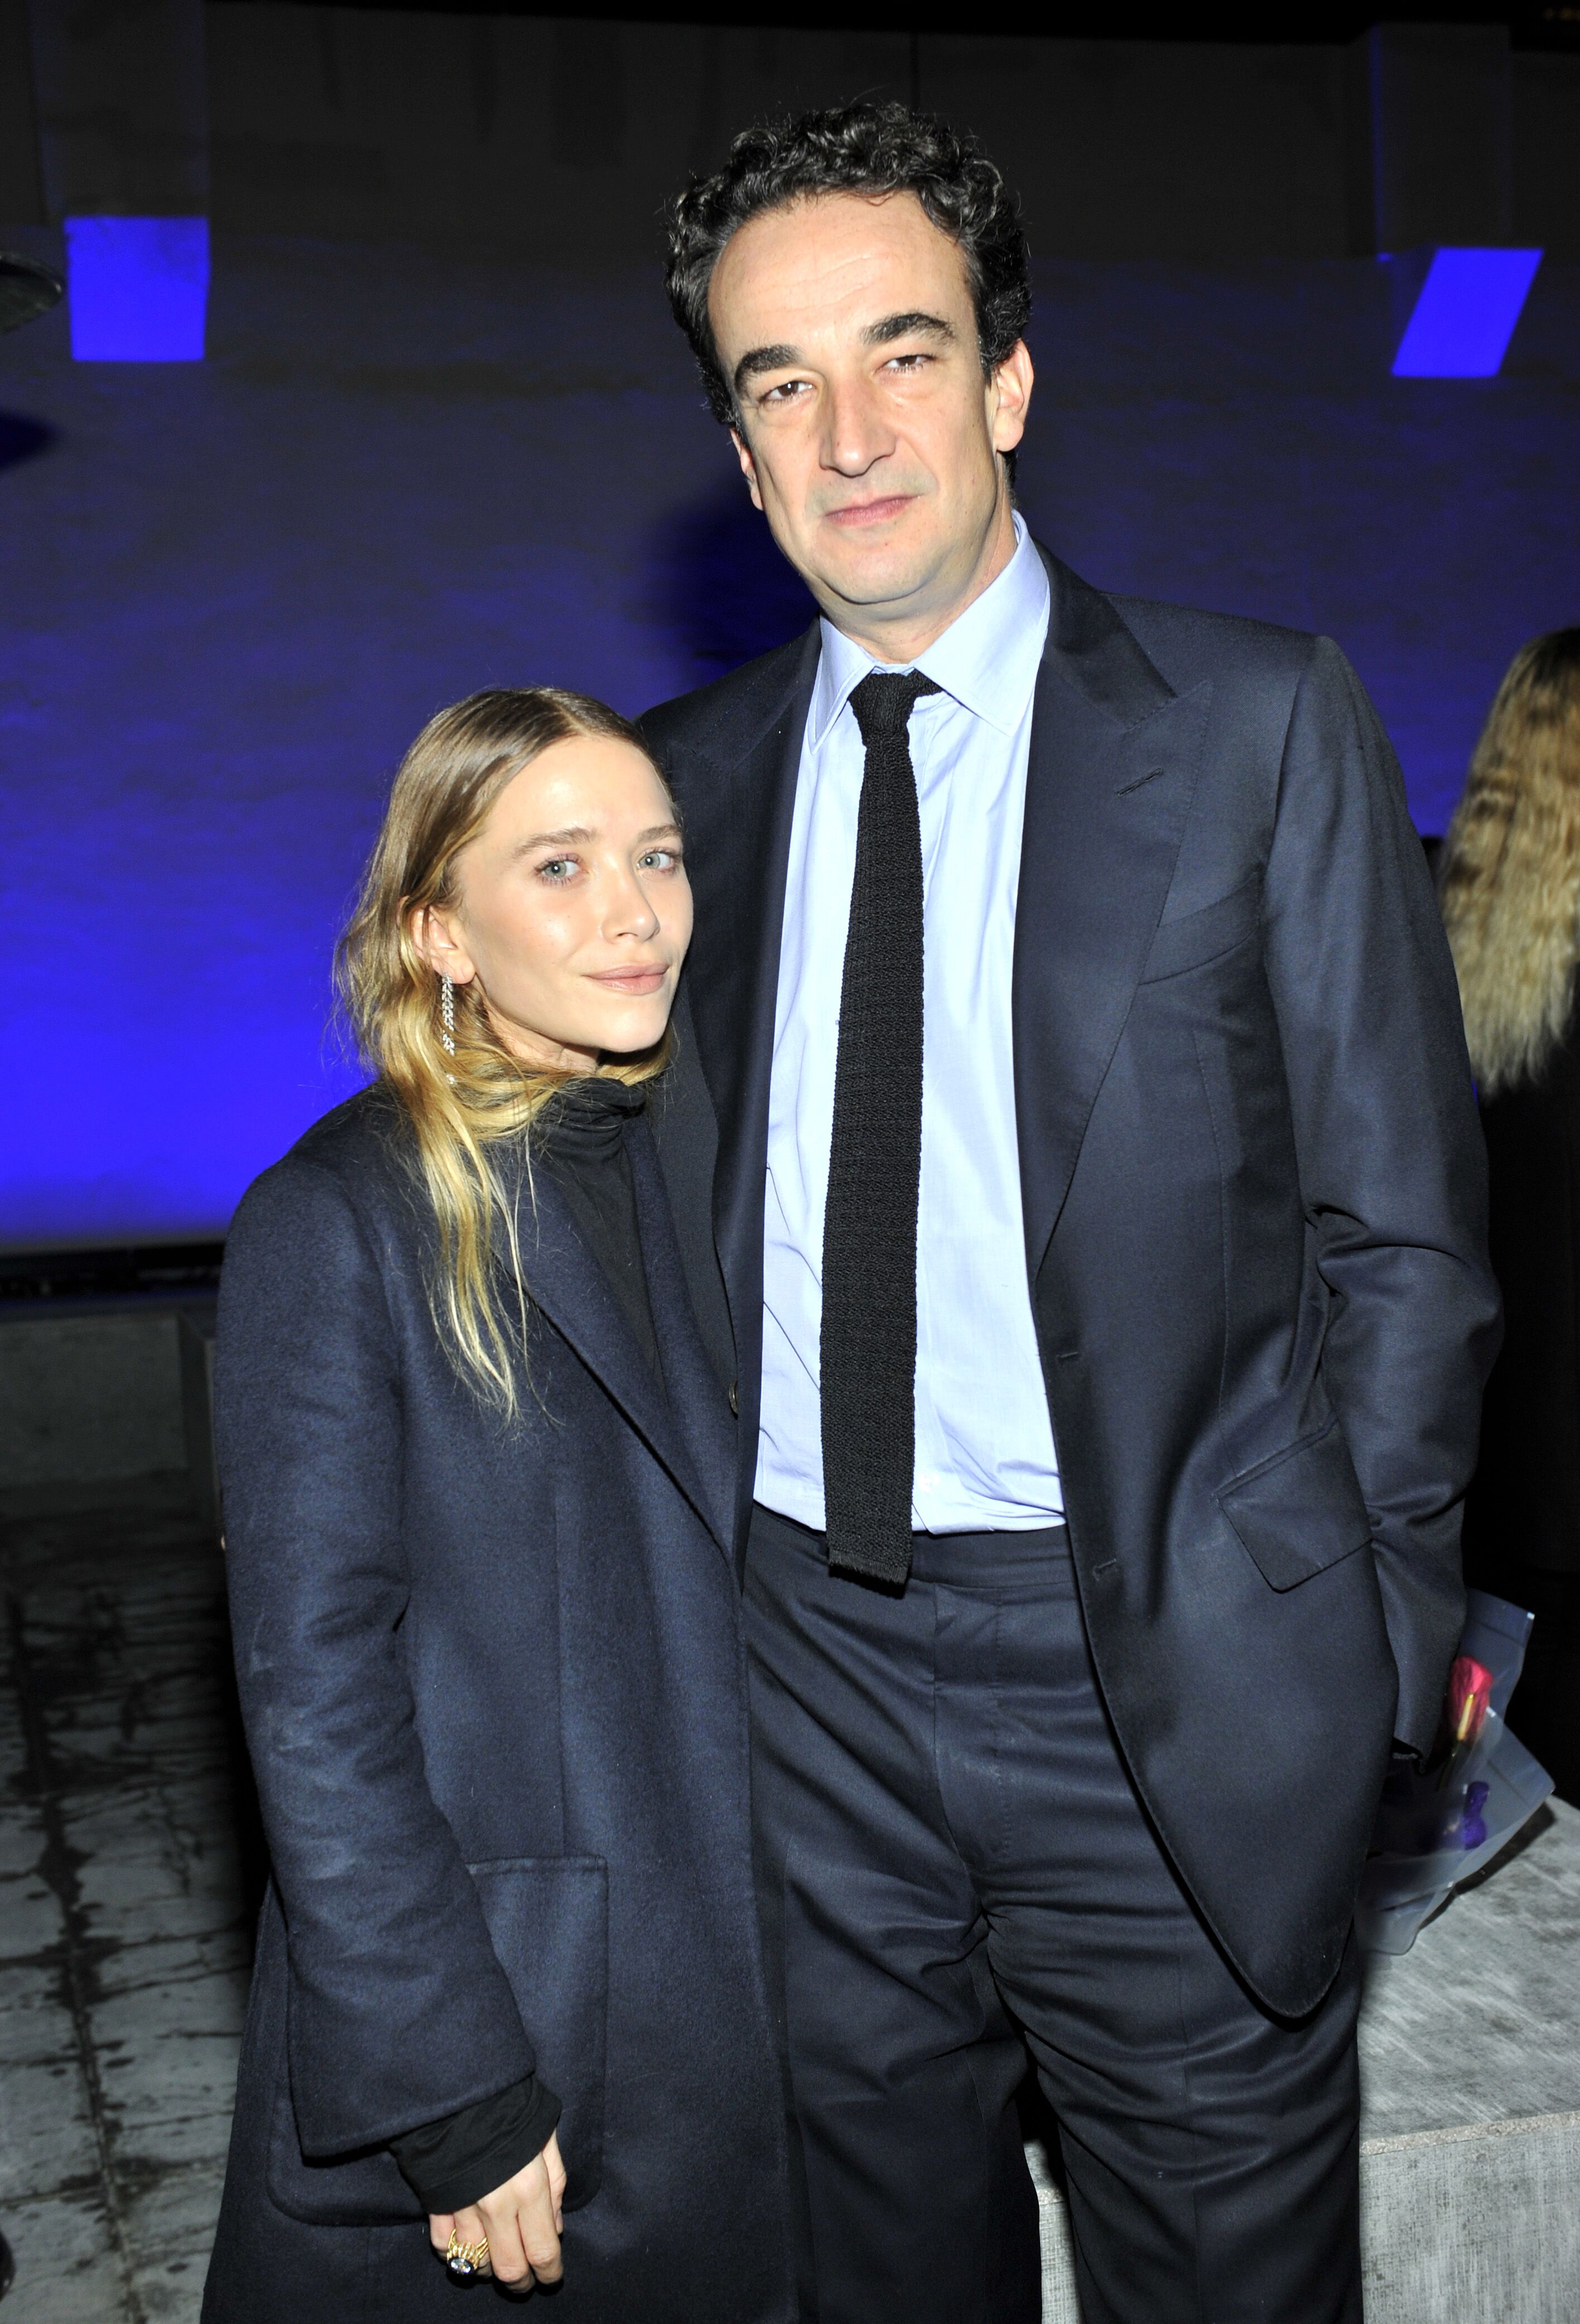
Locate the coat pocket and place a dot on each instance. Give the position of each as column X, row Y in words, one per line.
column 549, row 1918
column 1300, row 1511
column 549, row 1921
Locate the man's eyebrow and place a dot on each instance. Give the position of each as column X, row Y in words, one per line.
column 912, row 325
column 915, row 325
column 759, row 359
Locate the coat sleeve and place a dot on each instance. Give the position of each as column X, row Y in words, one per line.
column 399, row 2010
column 1393, row 1166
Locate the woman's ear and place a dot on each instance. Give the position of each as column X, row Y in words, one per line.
column 438, row 942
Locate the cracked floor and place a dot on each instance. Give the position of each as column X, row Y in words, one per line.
column 125, row 1910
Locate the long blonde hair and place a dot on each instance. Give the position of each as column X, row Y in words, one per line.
column 1510, row 878
column 461, row 1104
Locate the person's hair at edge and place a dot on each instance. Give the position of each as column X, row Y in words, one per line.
column 854, row 149
column 1510, row 883
column 459, row 1106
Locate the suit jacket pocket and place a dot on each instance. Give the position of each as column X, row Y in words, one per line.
column 549, row 1919
column 1205, row 935
column 1300, row 1511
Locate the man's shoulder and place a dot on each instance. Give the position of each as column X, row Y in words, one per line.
column 719, row 719
column 1188, row 645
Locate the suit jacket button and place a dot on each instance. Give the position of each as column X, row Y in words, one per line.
column 735, row 1398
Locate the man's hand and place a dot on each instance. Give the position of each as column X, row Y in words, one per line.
column 523, row 2221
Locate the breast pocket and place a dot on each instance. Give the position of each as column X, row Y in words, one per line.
column 1203, row 936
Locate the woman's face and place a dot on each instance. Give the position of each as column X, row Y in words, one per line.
column 572, row 908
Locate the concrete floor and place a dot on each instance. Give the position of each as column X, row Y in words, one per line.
column 131, row 1865
column 124, row 1913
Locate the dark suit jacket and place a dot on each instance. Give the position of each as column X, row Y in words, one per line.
column 491, row 1678
column 1252, row 1183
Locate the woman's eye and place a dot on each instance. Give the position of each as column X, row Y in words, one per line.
column 559, row 868
column 657, row 859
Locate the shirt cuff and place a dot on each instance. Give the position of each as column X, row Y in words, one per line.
column 454, row 2162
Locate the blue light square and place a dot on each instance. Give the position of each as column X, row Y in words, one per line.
column 1466, row 315
column 137, row 288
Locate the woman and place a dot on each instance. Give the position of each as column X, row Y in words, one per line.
column 477, row 1473
column 1511, row 889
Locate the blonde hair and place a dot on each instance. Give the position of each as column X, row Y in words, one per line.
column 460, row 1106
column 1511, row 876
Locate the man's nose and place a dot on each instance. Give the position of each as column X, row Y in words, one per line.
column 855, row 432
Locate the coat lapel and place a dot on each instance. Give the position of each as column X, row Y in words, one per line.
column 566, row 1281
column 696, row 1400
column 1111, row 773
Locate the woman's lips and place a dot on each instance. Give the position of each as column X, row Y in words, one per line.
column 633, row 980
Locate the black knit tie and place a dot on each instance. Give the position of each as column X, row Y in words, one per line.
column 874, row 1166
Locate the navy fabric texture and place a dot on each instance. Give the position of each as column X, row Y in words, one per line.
column 1254, row 1195
column 950, row 1849
column 494, row 1685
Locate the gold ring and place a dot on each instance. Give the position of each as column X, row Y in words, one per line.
column 464, row 2259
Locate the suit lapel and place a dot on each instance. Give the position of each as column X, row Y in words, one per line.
column 739, row 869
column 566, row 1281
column 1111, row 776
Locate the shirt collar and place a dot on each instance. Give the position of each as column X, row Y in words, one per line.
column 987, row 659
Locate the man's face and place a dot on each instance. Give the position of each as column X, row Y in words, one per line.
column 867, row 432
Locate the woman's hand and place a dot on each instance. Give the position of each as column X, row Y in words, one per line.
column 523, row 2221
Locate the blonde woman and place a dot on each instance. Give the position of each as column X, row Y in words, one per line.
column 507, row 2016
column 1511, row 889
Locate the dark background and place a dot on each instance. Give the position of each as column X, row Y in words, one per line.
column 446, row 436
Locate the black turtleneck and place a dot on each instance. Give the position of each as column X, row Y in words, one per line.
column 579, row 1138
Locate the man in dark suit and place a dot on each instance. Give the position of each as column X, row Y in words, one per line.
column 1075, row 1074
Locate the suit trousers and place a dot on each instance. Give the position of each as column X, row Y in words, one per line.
column 953, row 1868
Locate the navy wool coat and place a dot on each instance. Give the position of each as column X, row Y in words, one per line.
column 492, row 1679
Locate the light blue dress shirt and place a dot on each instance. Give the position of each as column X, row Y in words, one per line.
column 985, row 1455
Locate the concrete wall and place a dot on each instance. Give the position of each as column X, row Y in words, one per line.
column 562, row 138
column 231, row 590
column 447, row 436
column 93, row 1402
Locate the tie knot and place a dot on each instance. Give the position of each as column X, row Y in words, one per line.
column 882, row 703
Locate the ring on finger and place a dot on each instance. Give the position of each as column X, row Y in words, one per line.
column 463, row 2259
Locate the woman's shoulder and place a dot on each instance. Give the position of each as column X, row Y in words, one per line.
column 353, row 1161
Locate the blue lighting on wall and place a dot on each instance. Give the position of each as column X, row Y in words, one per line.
column 1466, row 315
column 138, row 288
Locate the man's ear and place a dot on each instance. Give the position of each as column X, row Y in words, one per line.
column 1008, row 398
column 438, row 943
column 748, row 466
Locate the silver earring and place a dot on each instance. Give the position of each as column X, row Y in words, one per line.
column 447, row 1013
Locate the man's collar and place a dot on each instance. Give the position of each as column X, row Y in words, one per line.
column 987, row 658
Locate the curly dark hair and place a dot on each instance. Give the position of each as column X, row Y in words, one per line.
column 853, row 148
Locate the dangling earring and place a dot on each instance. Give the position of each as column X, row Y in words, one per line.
column 447, row 1013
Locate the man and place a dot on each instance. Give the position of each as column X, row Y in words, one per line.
column 1097, row 1197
